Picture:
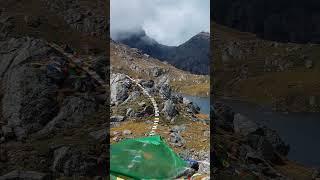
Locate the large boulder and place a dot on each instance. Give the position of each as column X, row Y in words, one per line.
column 268, row 144
column 28, row 103
column 119, row 87
column 165, row 91
column 243, row 125
column 147, row 84
column 100, row 135
column 74, row 111
column 69, row 161
column 224, row 116
column 193, row 108
column 176, row 139
column 169, row 109
column 117, row 118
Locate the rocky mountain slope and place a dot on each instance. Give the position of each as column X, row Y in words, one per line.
column 80, row 23
column 180, row 122
column 53, row 115
column 132, row 113
column 192, row 56
column 281, row 20
column 283, row 75
column 46, row 114
column 246, row 150
column 133, row 62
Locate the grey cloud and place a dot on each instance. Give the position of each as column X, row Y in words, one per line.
column 170, row 22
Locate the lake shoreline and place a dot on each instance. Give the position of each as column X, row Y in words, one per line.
column 298, row 129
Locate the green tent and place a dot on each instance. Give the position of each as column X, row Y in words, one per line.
column 145, row 158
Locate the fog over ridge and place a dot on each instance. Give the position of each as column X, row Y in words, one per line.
column 168, row 22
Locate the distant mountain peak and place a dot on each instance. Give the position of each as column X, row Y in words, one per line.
column 192, row 56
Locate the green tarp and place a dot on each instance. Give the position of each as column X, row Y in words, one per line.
column 145, row 158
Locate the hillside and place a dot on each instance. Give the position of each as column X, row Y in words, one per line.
column 282, row 20
column 133, row 62
column 80, row 23
column 51, row 110
column 191, row 56
column 283, row 75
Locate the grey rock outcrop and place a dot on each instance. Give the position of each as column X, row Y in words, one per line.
column 117, row 118
column 165, row 91
column 68, row 161
column 21, row 106
column 100, row 135
column 169, row 109
column 119, row 86
column 176, row 139
column 243, row 125
column 73, row 113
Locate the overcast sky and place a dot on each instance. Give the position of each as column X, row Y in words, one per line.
column 170, row 22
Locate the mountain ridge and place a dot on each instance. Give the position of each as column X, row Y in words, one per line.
column 187, row 56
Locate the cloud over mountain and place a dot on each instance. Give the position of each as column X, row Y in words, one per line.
column 168, row 22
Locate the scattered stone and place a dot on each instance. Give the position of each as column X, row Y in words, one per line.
column 117, row 118
column 7, row 132
column 116, row 139
column 114, row 133
column 178, row 129
column 185, row 101
column 100, row 135
column 206, row 133
column 142, row 104
column 176, row 139
column 130, row 112
column 193, row 108
column 126, row 132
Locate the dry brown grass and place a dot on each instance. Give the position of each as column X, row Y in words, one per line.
column 193, row 133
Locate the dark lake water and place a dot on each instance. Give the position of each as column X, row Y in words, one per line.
column 300, row 130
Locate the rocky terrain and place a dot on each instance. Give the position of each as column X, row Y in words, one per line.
column 136, row 64
column 181, row 123
column 282, row 20
column 53, row 115
column 246, row 150
column 191, row 56
column 183, row 127
column 283, row 75
column 48, row 115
